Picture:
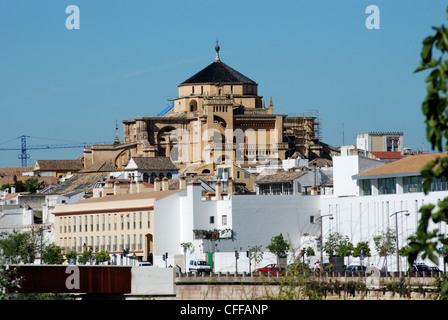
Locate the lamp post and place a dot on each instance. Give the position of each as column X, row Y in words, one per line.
column 396, row 235
column 321, row 237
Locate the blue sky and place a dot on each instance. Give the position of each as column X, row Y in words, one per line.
column 65, row 86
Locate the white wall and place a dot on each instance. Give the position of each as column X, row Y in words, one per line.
column 345, row 167
column 253, row 219
column 363, row 218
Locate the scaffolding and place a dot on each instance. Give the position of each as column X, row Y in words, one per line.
column 302, row 131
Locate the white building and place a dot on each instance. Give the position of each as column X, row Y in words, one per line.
column 243, row 221
column 366, row 202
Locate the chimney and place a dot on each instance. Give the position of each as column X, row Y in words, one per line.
column 157, row 184
column 229, row 186
column 182, row 183
column 116, row 187
column 218, row 189
column 165, row 183
column 132, row 186
column 139, row 186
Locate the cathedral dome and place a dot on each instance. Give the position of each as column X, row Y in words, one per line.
column 218, row 72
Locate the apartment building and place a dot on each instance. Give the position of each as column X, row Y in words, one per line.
column 112, row 223
column 371, row 196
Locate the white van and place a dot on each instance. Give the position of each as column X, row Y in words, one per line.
column 199, row 266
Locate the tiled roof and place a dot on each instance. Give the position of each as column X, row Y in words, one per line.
column 58, row 165
column 155, row 163
column 99, row 167
column 387, row 154
column 79, row 182
column 7, row 175
column 321, row 162
column 11, row 171
column 280, row 176
column 218, row 72
column 408, row 164
column 131, row 196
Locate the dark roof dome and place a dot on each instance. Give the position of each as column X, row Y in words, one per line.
column 218, row 72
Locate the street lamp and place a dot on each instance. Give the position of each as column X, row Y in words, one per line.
column 321, row 237
column 406, row 213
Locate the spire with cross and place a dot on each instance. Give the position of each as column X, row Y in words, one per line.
column 217, row 51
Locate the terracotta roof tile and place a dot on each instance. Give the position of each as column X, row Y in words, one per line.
column 280, row 176
column 387, row 154
column 408, row 164
column 58, row 165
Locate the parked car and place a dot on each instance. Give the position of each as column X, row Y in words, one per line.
column 421, row 269
column 199, row 266
column 144, row 263
column 435, row 270
column 355, row 270
column 270, row 269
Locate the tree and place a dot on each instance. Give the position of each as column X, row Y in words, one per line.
column 17, row 246
column 338, row 245
column 278, row 246
column 361, row 246
column 385, row 243
column 102, row 256
column 71, row 255
column 435, row 109
column 52, row 254
column 8, row 280
column 86, row 256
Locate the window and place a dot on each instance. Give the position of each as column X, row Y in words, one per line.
column 224, row 220
column 412, row 184
column 387, row 186
column 134, row 221
column 149, row 219
column 91, row 223
column 212, row 219
column 276, row 188
column 74, row 224
column 85, row 223
column 439, row 184
column 140, row 220
column 366, row 187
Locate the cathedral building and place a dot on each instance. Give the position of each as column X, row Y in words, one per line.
column 218, row 117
